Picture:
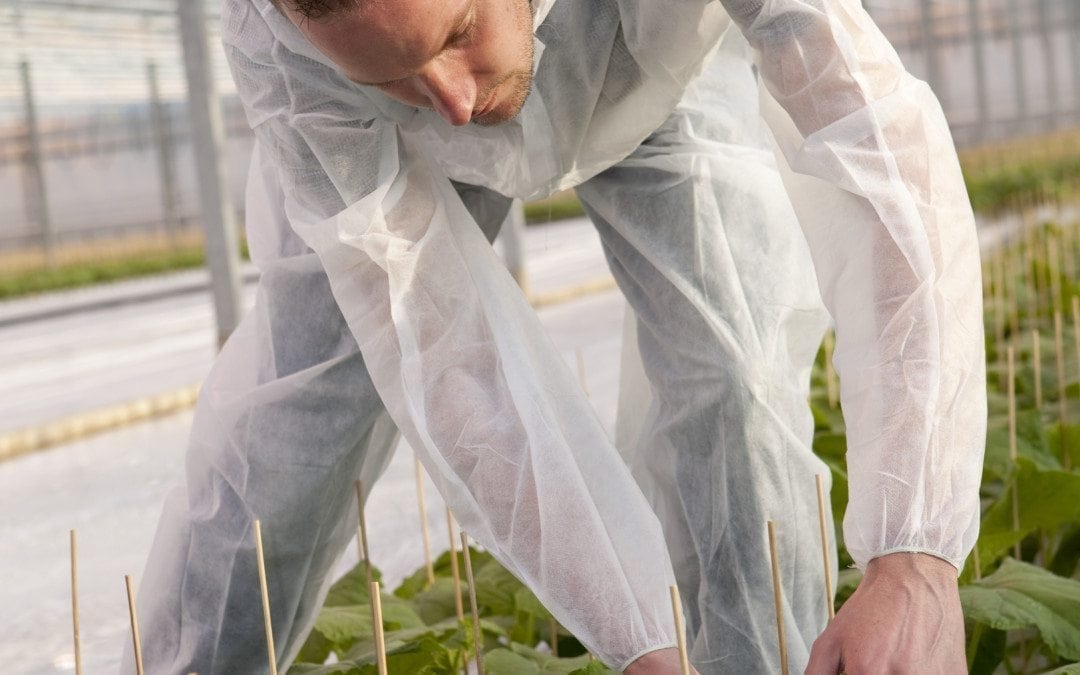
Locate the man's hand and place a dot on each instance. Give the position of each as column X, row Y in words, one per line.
column 904, row 617
column 660, row 662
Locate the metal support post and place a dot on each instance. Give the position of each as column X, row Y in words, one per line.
column 1074, row 52
column 930, row 50
column 512, row 236
column 1050, row 70
column 207, row 137
column 1018, row 66
column 982, row 114
column 38, row 195
column 170, row 209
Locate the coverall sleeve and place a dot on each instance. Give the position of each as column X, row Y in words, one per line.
column 871, row 169
column 456, row 353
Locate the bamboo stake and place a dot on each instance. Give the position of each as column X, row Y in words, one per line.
column 134, row 625
column 1011, row 389
column 1036, row 362
column 423, row 522
column 680, row 630
column 270, row 651
column 777, row 597
column 1013, row 300
column 1052, row 268
column 998, row 299
column 554, row 626
column 1031, row 276
column 455, row 574
column 75, row 601
column 1063, row 403
column 831, row 388
column 361, row 539
column 377, row 624
column 1044, row 277
column 1076, row 330
column 477, row 637
column 1068, row 262
column 824, row 545
column 1011, row 374
column 1003, row 298
column 581, row 371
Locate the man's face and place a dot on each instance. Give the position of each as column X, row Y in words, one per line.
column 470, row 60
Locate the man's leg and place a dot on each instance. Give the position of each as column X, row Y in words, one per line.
column 704, row 244
column 286, row 421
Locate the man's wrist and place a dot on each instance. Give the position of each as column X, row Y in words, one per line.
column 661, row 661
column 912, row 564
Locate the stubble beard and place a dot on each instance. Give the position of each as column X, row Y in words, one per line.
column 517, row 83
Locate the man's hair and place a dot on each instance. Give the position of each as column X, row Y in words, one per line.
column 315, row 9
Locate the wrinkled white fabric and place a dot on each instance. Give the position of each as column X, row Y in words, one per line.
column 874, row 177
column 690, row 208
column 727, row 320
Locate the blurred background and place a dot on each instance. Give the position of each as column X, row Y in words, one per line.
column 113, row 297
column 95, row 140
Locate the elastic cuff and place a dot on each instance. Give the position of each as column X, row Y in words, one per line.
column 643, row 652
column 959, row 565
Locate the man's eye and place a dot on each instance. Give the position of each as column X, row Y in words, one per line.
column 467, row 30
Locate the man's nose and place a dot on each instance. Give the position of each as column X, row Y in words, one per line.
column 451, row 89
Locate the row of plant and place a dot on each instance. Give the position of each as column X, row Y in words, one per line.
column 1017, row 173
column 425, row 634
column 1010, row 176
column 24, row 273
column 1020, row 589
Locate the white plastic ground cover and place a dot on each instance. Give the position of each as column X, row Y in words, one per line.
column 688, row 199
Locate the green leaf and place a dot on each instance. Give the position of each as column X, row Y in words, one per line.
column 831, row 445
column 846, row 583
column 594, row 668
column 417, row 582
column 339, row 628
column 315, row 650
column 495, row 588
column 826, row 419
column 1070, row 669
column 1031, row 442
column 838, row 495
column 1019, row 595
column 525, row 660
column 530, row 616
column 1072, row 441
column 363, row 652
column 423, row 652
column 436, row 603
column 989, row 649
column 414, row 584
column 1046, row 499
column 502, row 661
column 1065, row 561
column 427, row 656
column 352, row 589
column 333, row 669
column 399, row 614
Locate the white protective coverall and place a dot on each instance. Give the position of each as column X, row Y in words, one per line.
column 382, row 307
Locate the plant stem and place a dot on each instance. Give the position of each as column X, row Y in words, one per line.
column 973, row 643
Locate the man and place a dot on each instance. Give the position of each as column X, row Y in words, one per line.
column 391, row 134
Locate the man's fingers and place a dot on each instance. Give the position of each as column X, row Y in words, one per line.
column 824, row 657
